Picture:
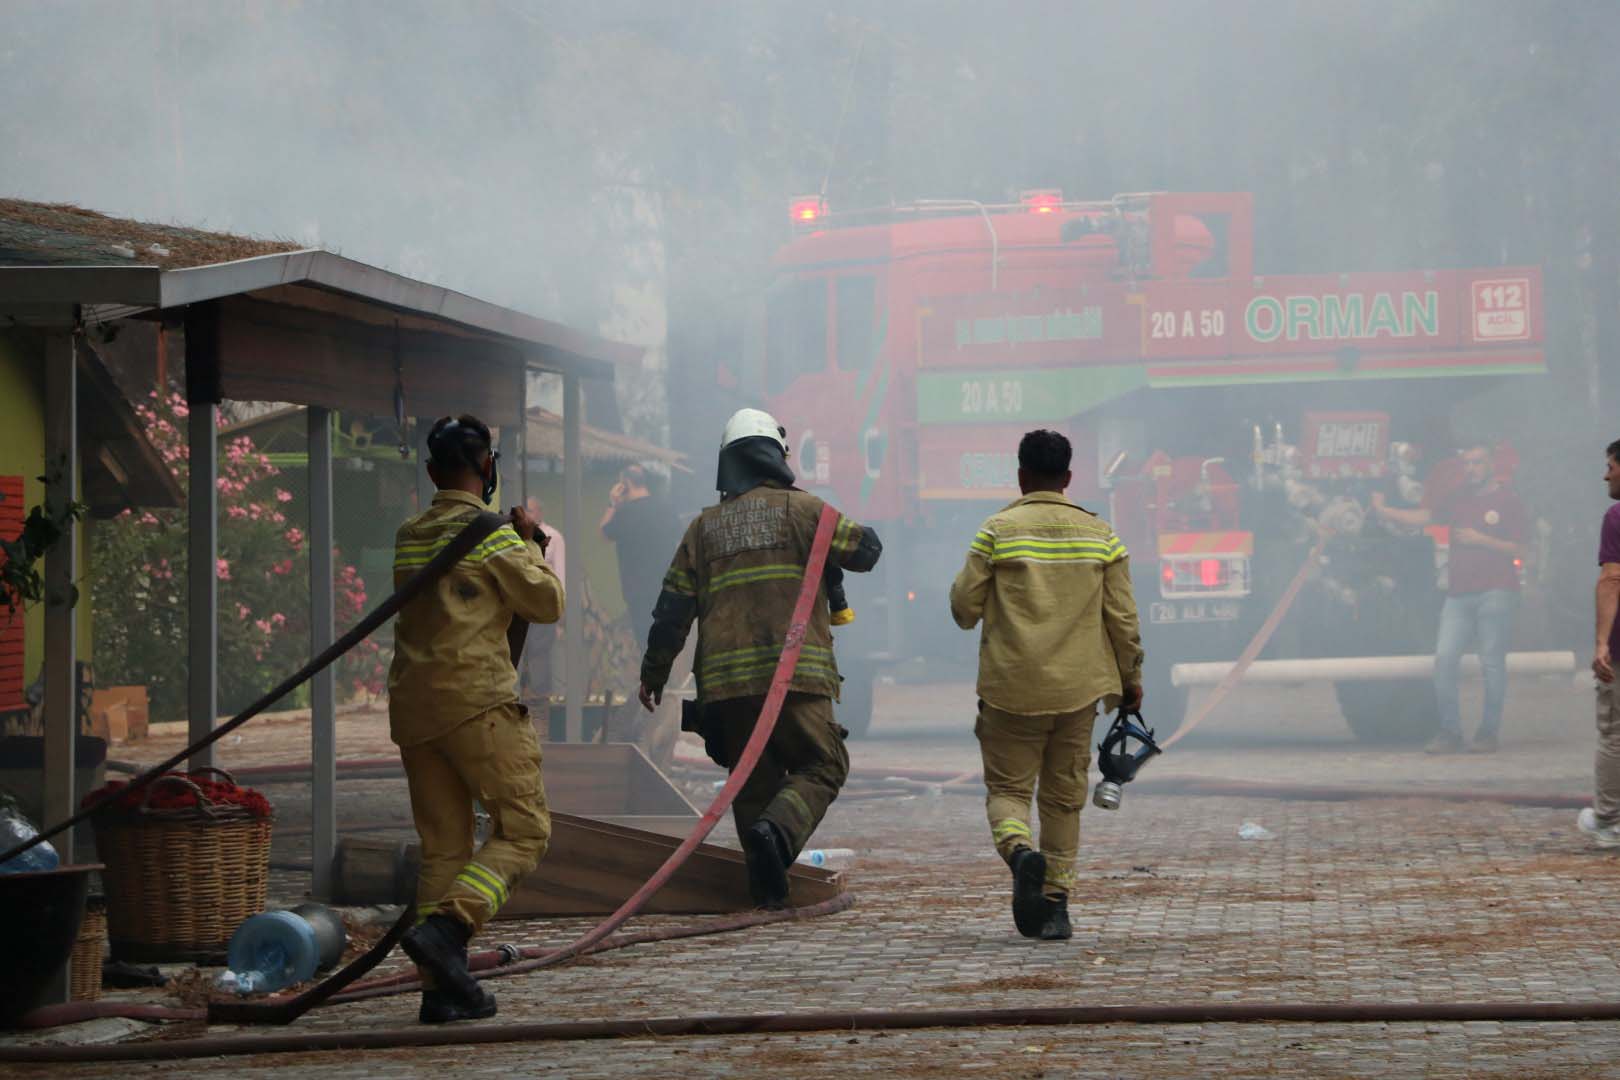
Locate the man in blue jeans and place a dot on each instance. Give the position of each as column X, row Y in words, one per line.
column 1601, row 820
column 1487, row 526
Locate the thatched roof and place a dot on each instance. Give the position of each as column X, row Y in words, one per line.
column 59, row 234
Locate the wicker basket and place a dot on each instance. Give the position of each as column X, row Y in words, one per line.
column 179, row 881
column 88, row 952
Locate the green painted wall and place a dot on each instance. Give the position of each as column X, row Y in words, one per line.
column 22, row 451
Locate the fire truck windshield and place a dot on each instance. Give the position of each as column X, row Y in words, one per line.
column 855, row 296
column 795, row 332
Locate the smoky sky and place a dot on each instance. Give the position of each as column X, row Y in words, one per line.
column 488, row 145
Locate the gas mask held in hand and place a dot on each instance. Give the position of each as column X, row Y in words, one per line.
column 1117, row 759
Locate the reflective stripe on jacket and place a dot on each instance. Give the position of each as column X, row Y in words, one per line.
column 451, row 658
column 1052, row 583
column 737, row 572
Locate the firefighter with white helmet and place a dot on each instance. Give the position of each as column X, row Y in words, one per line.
column 737, row 573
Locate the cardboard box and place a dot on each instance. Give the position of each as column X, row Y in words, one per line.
column 119, row 713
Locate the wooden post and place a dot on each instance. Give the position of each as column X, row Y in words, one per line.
column 323, row 700
column 202, row 543
column 523, row 436
column 424, row 483
column 574, row 572
column 61, row 623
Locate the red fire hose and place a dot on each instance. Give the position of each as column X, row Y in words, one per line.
column 475, row 532
column 275, row 1011
column 284, row 1010
column 1252, row 650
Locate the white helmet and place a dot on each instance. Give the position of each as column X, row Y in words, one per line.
column 751, row 423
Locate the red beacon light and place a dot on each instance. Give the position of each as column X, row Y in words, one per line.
column 1042, row 200
column 807, row 210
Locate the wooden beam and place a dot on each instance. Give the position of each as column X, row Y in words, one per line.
column 275, row 352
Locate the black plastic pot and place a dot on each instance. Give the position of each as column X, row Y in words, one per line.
column 39, row 921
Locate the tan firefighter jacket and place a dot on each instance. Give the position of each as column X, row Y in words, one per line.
column 1053, row 585
column 451, row 658
column 737, row 572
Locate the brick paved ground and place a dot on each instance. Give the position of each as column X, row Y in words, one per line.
column 1409, row 899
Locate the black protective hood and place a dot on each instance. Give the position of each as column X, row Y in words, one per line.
column 748, row 463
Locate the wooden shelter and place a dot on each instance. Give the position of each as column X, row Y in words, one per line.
column 305, row 327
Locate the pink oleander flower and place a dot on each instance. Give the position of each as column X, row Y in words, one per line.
column 283, row 495
column 295, row 536
column 224, row 568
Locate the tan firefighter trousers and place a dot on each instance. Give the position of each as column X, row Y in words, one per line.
column 801, row 771
column 1045, row 758
column 494, row 758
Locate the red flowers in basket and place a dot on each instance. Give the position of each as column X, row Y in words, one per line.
column 164, row 794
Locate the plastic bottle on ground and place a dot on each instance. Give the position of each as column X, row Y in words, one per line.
column 827, row 857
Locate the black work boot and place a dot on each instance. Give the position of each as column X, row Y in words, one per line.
column 765, row 849
column 440, row 1008
column 439, row 944
column 1029, row 878
column 1056, row 926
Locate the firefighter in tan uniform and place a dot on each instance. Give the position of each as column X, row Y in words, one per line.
column 453, row 710
column 1052, row 584
column 737, row 572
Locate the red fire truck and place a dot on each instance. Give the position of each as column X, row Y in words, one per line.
column 1218, row 418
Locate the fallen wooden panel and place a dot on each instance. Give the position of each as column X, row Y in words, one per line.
column 614, row 783
column 591, row 868
column 608, row 779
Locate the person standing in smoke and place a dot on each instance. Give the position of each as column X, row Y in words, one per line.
column 1601, row 820
column 454, row 713
column 737, row 573
column 1488, row 526
column 640, row 526
column 1052, row 584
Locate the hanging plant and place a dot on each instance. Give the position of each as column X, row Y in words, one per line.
column 21, row 583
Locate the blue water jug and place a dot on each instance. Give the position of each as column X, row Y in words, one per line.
column 270, row 951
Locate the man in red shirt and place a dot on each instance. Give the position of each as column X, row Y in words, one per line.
column 1488, row 527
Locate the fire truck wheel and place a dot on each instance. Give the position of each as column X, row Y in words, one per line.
column 1400, row 712
column 854, row 708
